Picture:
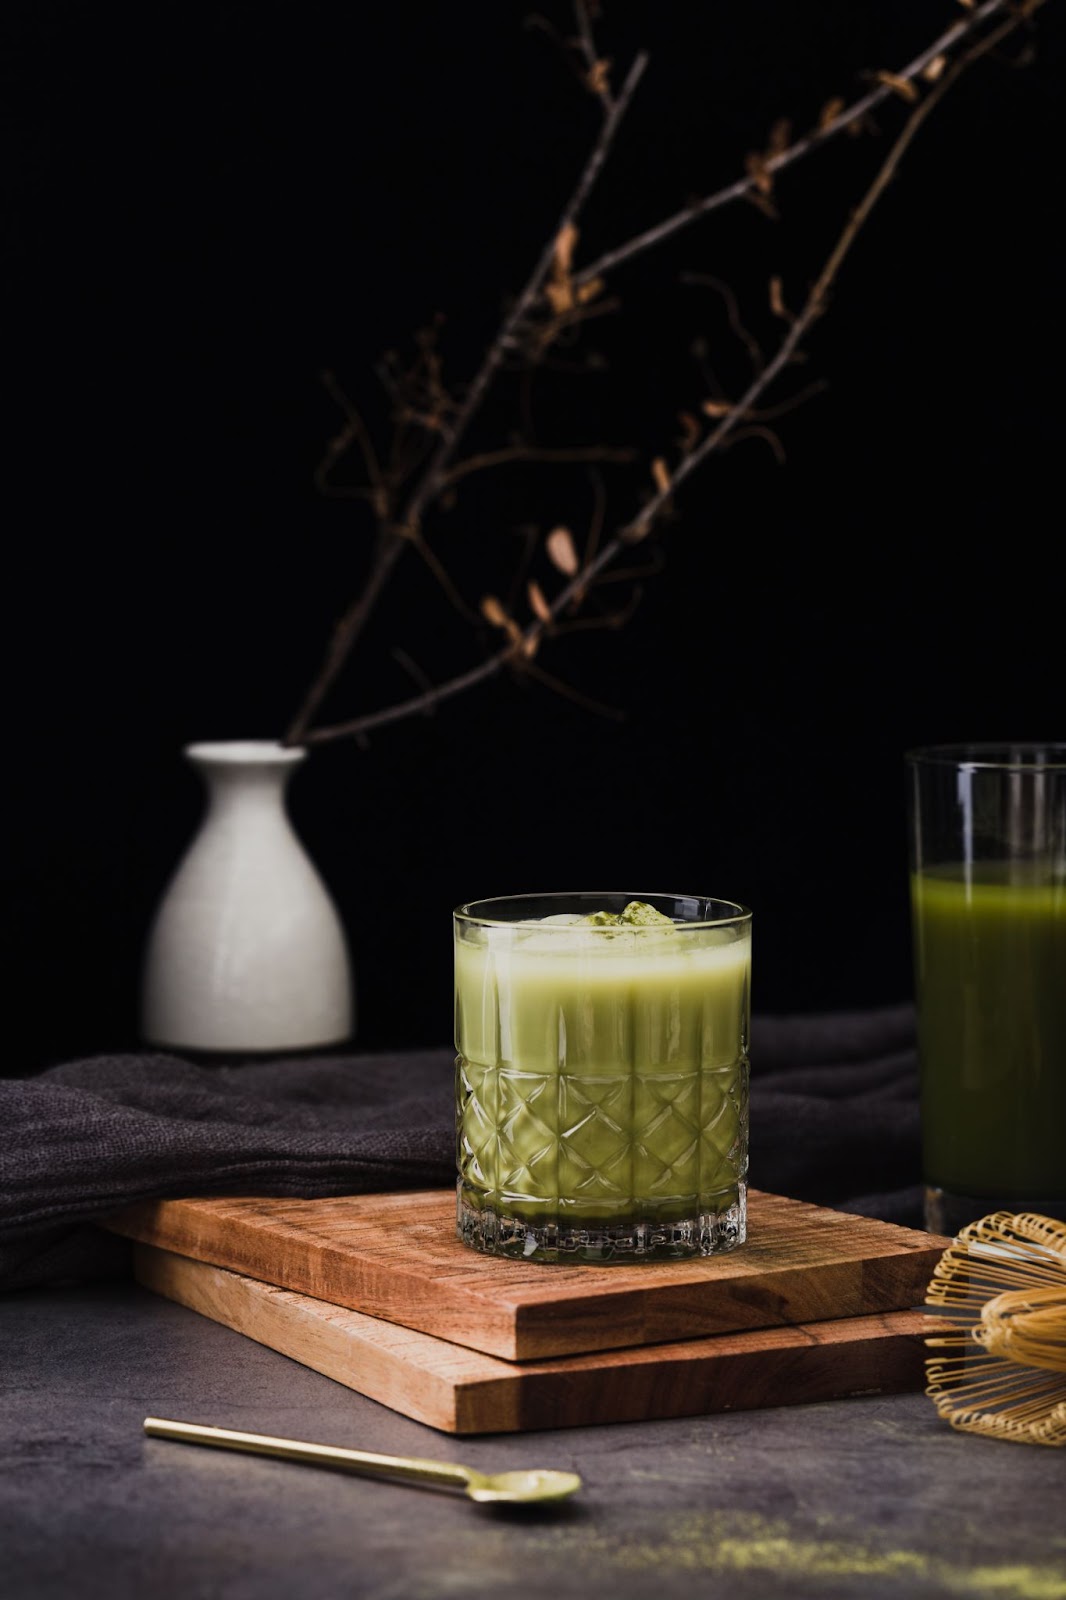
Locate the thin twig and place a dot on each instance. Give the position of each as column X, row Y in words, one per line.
column 521, row 452
column 650, row 569
column 413, row 670
column 387, row 553
column 705, row 280
column 440, row 572
column 767, row 435
column 391, row 541
column 568, row 692
column 603, row 619
column 354, row 430
column 535, row 339
column 853, row 115
column 518, row 651
column 596, row 78
column 783, row 407
column 599, row 513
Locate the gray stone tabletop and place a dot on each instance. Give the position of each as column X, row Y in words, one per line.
column 873, row 1497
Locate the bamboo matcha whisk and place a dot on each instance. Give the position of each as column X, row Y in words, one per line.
column 1003, row 1281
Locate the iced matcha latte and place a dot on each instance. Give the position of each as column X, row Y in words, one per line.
column 602, row 1075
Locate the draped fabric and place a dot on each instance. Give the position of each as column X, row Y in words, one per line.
column 834, row 1120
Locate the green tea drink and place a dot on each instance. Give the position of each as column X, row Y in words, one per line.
column 990, row 966
column 602, row 1082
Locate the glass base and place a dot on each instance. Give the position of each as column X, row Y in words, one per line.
column 709, row 1233
column 947, row 1213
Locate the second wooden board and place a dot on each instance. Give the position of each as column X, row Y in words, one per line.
column 395, row 1256
column 462, row 1391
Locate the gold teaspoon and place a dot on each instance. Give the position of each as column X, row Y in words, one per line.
column 536, row 1485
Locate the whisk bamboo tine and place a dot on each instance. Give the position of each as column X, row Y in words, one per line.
column 1002, row 1372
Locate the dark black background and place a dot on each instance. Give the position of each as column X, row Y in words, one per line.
column 206, row 205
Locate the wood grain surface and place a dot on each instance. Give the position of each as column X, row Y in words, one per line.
column 458, row 1390
column 396, row 1257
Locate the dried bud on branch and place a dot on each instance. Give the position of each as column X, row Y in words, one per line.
column 777, row 300
column 759, row 173
column 690, row 430
column 559, row 289
column 537, row 603
column 493, row 611
column 829, row 113
column 562, row 552
column 598, row 78
column 901, row 86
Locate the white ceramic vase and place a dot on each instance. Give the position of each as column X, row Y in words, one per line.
column 246, row 952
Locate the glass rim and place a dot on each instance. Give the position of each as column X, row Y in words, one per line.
column 1016, row 755
column 470, row 911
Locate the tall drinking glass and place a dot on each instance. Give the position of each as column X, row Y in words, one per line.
column 602, row 1076
column 987, row 843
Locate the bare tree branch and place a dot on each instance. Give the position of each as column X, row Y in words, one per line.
column 391, row 541
column 521, row 645
column 851, row 116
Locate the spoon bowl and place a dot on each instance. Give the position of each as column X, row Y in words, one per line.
column 537, row 1484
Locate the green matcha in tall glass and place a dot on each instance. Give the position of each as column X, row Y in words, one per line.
column 990, row 945
column 602, row 1075
column 987, row 832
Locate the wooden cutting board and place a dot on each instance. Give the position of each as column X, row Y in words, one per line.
column 458, row 1390
column 396, row 1257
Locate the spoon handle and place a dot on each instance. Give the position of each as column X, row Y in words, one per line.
column 409, row 1468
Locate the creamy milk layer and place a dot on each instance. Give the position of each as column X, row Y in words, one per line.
column 587, row 999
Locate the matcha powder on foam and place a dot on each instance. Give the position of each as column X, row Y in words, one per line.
column 637, row 914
